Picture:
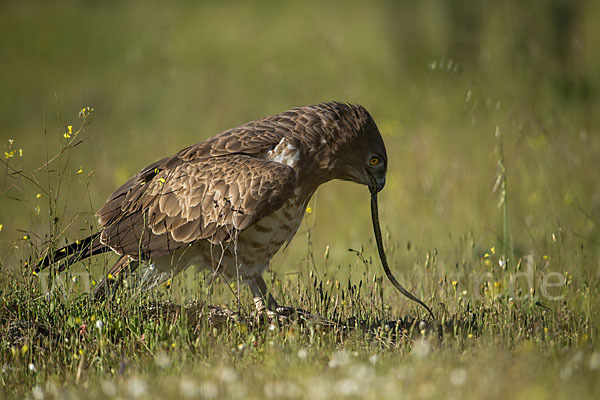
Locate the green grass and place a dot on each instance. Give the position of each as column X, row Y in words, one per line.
column 440, row 79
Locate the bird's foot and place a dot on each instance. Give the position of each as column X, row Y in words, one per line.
column 273, row 311
column 270, row 310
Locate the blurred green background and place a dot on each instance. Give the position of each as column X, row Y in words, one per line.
column 439, row 77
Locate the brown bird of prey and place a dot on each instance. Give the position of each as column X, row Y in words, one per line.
column 231, row 202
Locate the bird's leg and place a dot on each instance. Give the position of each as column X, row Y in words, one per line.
column 258, row 287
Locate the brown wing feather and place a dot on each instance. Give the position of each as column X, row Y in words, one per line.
column 162, row 209
column 208, row 189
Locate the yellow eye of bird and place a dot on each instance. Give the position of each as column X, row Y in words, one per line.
column 374, row 161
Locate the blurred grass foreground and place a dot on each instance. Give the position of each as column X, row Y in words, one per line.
column 491, row 212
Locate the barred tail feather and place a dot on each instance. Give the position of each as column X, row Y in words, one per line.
column 76, row 251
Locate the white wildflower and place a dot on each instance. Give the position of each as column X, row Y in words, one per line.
column 302, row 354
column 362, row 373
column 188, row 388
column 347, row 387
column 37, row 393
column 162, row 360
column 228, row 375
column 339, row 359
column 421, row 348
column 566, row 372
column 458, row 377
column 136, row 387
column 108, row 388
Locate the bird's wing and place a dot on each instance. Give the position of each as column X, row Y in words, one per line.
column 174, row 202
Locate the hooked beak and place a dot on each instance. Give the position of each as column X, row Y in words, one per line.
column 375, row 185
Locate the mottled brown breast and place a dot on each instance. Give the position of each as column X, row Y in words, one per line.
column 254, row 247
column 259, row 243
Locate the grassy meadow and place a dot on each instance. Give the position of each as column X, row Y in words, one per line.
column 491, row 212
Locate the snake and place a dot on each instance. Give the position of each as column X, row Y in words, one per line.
column 383, row 258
